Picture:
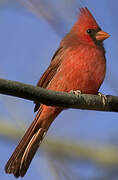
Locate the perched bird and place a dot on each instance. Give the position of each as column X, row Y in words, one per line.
column 78, row 64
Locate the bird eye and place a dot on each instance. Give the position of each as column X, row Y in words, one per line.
column 89, row 31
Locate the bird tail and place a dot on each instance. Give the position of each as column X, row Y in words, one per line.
column 21, row 158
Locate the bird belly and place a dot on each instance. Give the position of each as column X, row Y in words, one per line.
column 84, row 73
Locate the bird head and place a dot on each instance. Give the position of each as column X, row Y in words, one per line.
column 87, row 28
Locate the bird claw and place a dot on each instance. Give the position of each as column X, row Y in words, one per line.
column 103, row 97
column 77, row 92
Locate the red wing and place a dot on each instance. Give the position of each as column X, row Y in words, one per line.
column 49, row 73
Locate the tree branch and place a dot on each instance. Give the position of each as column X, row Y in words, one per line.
column 52, row 98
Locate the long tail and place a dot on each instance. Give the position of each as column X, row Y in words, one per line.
column 21, row 158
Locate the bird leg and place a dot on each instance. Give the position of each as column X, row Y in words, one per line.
column 77, row 92
column 103, row 97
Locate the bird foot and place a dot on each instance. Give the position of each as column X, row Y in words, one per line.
column 103, row 97
column 77, row 92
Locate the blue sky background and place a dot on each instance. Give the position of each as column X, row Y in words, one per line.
column 27, row 43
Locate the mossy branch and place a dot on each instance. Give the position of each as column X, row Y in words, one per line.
column 63, row 99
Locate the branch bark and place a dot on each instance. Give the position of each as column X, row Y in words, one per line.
column 62, row 99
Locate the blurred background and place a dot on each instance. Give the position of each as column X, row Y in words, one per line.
column 86, row 147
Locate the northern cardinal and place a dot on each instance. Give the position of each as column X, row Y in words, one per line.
column 78, row 64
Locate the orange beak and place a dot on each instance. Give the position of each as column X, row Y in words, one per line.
column 101, row 35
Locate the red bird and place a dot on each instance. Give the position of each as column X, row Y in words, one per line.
column 78, row 64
